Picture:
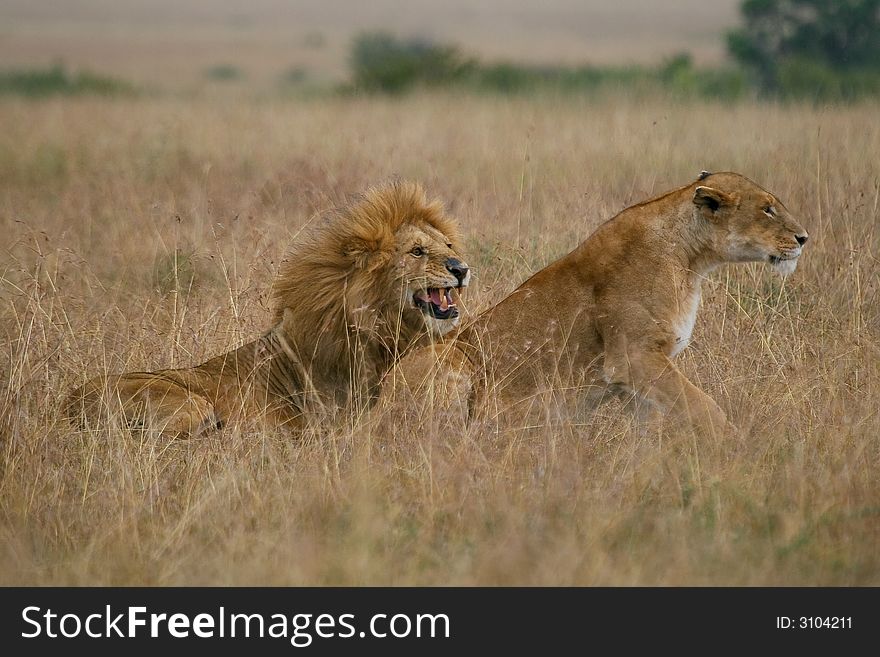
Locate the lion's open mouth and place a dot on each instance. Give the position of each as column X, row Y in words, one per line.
column 437, row 302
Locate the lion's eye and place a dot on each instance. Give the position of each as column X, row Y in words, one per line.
column 768, row 210
column 417, row 251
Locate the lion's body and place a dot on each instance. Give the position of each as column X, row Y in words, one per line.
column 257, row 379
column 343, row 315
column 613, row 313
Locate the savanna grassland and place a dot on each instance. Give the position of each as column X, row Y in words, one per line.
column 144, row 232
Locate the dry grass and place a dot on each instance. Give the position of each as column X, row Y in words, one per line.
column 145, row 232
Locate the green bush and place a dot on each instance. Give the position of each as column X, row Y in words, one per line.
column 381, row 62
column 824, row 49
column 295, row 75
column 809, row 79
column 514, row 78
column 505, row 78
column 224, row 73
column 55, row 80
column 677, row 76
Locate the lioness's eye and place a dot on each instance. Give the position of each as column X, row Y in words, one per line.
column 417, row 251
column 768, row 210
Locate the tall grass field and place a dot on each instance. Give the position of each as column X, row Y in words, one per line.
column 142, row 232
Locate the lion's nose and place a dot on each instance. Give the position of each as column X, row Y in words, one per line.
column 802, row 239
column 458, row 269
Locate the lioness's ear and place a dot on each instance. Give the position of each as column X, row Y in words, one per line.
column 711, row 198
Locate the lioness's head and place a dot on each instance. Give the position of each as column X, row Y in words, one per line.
column 387, row 266
column 751, row 224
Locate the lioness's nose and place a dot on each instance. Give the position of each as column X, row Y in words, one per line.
column 802, row 239
column 457, row 268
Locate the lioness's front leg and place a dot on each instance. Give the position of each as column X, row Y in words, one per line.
column 655, row 377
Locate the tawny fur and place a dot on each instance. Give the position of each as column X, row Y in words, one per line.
column 343, row 314
column 612, row 314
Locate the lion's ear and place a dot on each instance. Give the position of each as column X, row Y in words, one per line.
column 365, row 254
column 359, row 253
column 711, row 198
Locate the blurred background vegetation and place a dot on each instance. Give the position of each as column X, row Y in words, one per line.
column 55, row 79
column 824, row 50
column 820, row 48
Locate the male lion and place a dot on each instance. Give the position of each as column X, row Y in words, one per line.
column 370, row 280
column 613, row 313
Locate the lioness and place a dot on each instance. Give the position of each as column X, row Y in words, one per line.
column 614, row 313
column 370, row 280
